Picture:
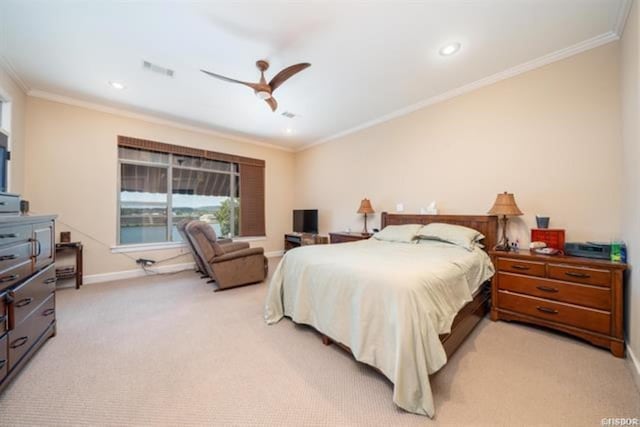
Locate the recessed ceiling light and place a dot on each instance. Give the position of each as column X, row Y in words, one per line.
column 450, row 49
column 117, row 85
column 288, row 131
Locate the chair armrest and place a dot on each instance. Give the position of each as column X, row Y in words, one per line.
column 223, row 241
column 237, row 254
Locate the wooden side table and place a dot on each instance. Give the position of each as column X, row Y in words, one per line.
column 294, row 240
column 75, row 247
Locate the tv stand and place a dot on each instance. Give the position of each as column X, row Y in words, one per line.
column 294, row 240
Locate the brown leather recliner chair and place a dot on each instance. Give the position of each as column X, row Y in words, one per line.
column 226, row 264
column 228, row 245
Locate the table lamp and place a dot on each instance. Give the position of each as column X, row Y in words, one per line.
column 365, row 208
column 504, row 205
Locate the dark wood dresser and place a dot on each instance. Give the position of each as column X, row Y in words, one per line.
column 27, row 289
column 345, row 237
column 578, row 296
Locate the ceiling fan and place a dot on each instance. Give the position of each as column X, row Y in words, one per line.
column 262, row 89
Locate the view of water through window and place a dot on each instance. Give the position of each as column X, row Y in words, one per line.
column 148, row 193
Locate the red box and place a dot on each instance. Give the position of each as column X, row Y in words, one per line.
column 553, row 237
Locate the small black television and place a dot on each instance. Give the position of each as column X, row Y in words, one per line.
column 305, row 221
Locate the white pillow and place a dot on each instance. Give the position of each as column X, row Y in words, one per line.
column 458, row 235
column 399, row 233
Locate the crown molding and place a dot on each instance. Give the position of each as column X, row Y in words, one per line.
column 495, row 78
column 6, row 65
column 35, row 93
column 621, row 18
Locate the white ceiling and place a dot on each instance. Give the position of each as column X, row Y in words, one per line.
column 369, row 59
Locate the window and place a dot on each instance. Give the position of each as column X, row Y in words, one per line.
column 161, row 186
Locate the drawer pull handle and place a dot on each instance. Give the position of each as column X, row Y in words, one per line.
column 8, row 236
column 19, row 342
column 520, row 267
column 579, row 275
column 547, row 310
column 50, row 280
column 9, row 278
column 3, row 203
column 8, row 257
column 48, row 311
column 24, row 301
column 547, row 289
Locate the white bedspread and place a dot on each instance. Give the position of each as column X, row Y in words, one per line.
column 388, row 302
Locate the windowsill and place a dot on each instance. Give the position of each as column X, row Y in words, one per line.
column 142, row 247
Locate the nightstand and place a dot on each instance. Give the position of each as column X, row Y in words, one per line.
column 345, row 237
column 578, row 296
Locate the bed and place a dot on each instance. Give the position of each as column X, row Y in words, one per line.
column 401, row 308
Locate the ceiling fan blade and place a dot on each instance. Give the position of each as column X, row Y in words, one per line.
column 272, row 103
column 287, row 73
column 253, row 86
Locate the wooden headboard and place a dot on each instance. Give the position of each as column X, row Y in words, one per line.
column 486, row 224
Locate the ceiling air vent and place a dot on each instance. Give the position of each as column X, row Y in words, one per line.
column 288, row 114
column 157, row 69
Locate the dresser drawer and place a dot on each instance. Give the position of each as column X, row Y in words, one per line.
column 15, row 234
column 27, row 333
column 9, row 203
column 28, row 296
column 15, row 274
column 586, row 295
column 590, row 276
column 523, row 267
column 4, row 357
column 13, row 255
column 581, row 317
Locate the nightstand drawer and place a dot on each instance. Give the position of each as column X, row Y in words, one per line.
column 522, row 267
column 347, row 237
column 586, row 318
column 590, row 276
column 588, row 296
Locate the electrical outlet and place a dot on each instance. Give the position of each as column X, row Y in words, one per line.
column 399, row 207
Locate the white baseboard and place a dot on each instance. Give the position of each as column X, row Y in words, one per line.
column 635, row 366
column 139, row 272
column 274, row 254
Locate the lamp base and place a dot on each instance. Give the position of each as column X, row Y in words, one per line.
column 503, row 248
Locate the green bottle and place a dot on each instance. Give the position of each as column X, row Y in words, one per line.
column 616, row 251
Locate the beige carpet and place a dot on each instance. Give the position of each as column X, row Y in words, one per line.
column 167, row 350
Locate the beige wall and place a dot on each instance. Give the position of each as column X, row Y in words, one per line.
column 72, row 171
column 9, row 89
column 630, row 64
column 551, row 136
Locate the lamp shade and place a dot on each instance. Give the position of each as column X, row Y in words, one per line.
column 365, row 207
column 505, row 204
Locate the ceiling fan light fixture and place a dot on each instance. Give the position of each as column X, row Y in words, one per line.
column 263, row 94
column 450, row 49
